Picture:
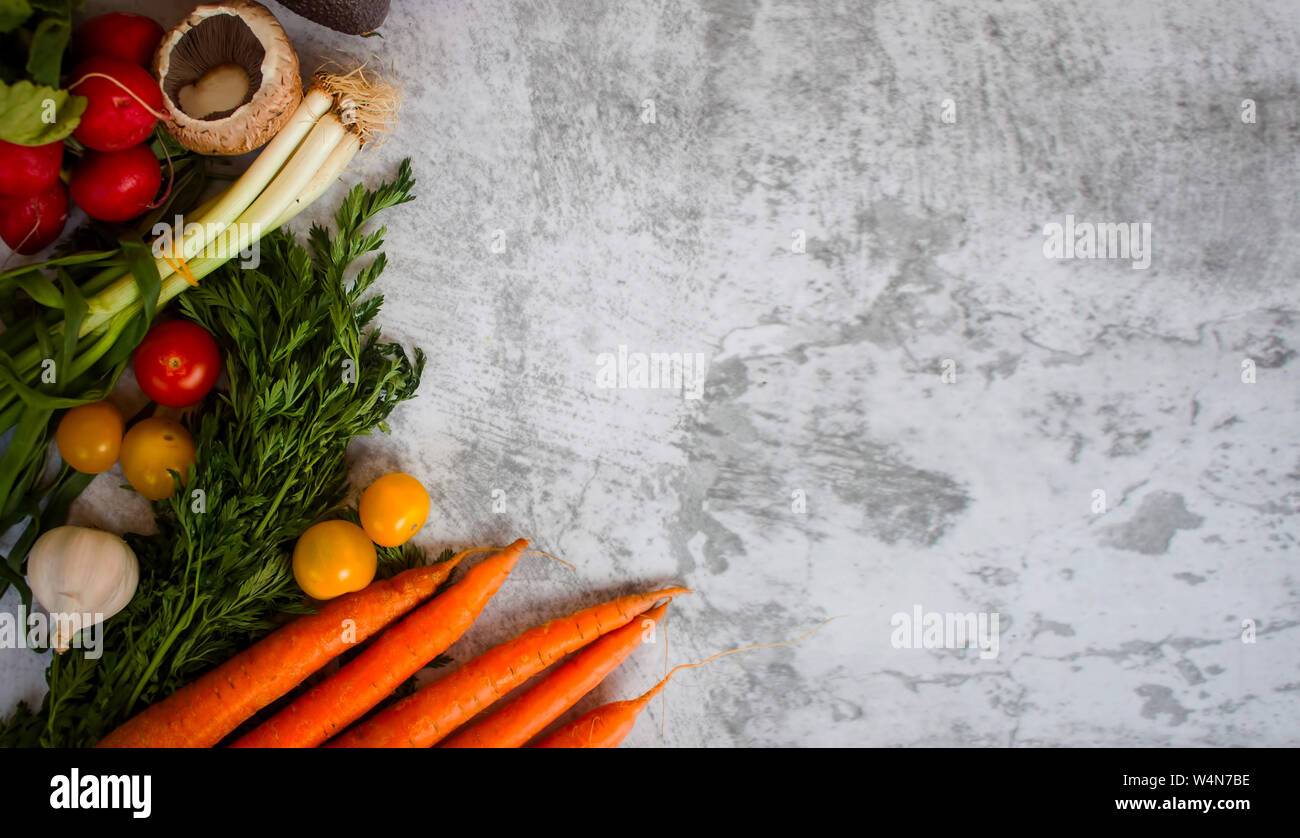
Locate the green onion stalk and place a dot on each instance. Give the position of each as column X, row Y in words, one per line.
column 71, row 350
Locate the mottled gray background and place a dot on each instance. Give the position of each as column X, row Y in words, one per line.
column 924, row 243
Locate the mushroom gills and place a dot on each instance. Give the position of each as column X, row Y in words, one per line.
column 202, row 63
column 219, row 90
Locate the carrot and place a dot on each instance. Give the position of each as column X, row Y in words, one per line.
column 529, row 714
column 609, row 724
column 396, row 655
column 604, row 727
column 199, row 714
column 423, row 719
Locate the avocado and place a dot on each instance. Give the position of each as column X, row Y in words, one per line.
column 354, row 17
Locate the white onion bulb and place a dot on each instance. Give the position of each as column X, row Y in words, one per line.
column 79, row 572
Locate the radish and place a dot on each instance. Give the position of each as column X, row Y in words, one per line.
column 116, row 185
column 28, row 169
column 30, row 223
column 121, row 109
column 121, row 35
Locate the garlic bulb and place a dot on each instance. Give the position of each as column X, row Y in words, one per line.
column 80, row 576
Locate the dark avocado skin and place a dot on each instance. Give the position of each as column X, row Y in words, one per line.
column 354, row 17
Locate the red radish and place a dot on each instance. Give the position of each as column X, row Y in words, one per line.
column 28, row 169
column 121, row 35
column 121, row 109
column 30, row 223
column 116, row 185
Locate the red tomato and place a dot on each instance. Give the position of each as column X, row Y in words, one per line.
column 177, row 363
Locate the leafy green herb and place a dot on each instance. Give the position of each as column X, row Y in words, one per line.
column 13, row 13
column 46, row 56
column 305, row 379
column 33, row 39
column 37, row 114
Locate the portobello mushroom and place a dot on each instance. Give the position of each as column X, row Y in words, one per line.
column 229, row 78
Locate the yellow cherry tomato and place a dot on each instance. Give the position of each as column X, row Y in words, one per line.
column 90, row 436
column 393, row 509
column 333, row 558
column 152, row 447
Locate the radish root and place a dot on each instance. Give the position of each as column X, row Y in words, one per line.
column 129, row 92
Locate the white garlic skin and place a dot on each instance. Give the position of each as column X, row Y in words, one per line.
column 78, row 571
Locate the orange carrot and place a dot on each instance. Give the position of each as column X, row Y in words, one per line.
column 609, row 724
column 529, row 714
column 423, row 719
column 396, row 655
column 604, row 727
column 199, row 714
